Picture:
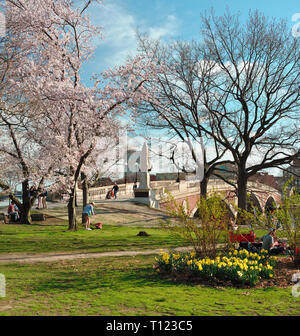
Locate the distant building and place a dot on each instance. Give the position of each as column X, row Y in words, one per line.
column 267, row 179
column 226, row 171
column 170, row 176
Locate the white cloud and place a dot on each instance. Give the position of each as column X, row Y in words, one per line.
column 169, row 28
column 120, row 31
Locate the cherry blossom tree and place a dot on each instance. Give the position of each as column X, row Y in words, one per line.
column 59, row 120
column 36, row 64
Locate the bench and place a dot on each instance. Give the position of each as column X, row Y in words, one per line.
column 234, row 237
column 38, row 217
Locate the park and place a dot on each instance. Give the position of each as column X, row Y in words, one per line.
column 163, row 184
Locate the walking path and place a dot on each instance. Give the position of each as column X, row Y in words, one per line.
column 51, row 257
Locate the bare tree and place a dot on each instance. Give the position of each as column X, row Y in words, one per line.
column 176, row 107
column 251, row 92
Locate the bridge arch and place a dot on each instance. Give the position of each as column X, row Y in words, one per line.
column 270, row 204
column 231, row 213
column 195, row 212
column 254, row 203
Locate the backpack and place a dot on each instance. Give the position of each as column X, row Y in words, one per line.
column 98, row 226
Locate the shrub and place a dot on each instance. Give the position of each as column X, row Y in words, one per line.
column 239, row 266
column 288, row 215
column 204, row 232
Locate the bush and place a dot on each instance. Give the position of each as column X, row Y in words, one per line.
column 238, row 266
column 288, row 215
column 204, row 232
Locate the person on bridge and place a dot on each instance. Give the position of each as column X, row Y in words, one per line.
column 115, row 189
column 87, row 212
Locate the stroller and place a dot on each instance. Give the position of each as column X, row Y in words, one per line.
column 246, row 241
column 110, row 194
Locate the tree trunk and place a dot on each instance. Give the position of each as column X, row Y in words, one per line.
column 26, row 204
column 203, row 187
column 72, row 212
column 75, row 196
column 85, row 189
column 242, row 194
column 85, row 193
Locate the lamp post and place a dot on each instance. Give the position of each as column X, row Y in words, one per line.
column 125, row 178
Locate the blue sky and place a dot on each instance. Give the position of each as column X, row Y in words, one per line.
column 166, row 19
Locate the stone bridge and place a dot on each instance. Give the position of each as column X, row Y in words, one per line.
column 262, row 197
column 187, row 193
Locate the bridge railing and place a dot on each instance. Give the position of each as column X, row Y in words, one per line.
column 173, row 187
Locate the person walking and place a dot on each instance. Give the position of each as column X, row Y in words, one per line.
column 87, row 212
column 115, row 189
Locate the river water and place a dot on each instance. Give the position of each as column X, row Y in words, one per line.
column 4, row 203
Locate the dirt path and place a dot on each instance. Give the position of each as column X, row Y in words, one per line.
column 52, row 257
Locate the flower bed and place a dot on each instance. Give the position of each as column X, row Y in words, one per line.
column 238, row 266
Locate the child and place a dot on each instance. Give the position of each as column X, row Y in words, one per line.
column 87, row 212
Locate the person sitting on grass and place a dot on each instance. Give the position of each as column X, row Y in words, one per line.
column 87, row 212
column 269, row 242
column 13, row 212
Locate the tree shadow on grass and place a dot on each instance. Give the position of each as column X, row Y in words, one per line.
column 146, row 277
column 85, row 281
column 112, row 210
column 70, row 281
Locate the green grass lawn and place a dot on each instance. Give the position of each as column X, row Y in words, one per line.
column 40, row 238
column 116, row 286
column 121, row 224
column 127, row 286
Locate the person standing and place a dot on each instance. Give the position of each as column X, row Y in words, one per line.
column 115, row 189
column 44, row 199
column 40, row 201
column 87, row 212
column 134, row 187
column 31, row 192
